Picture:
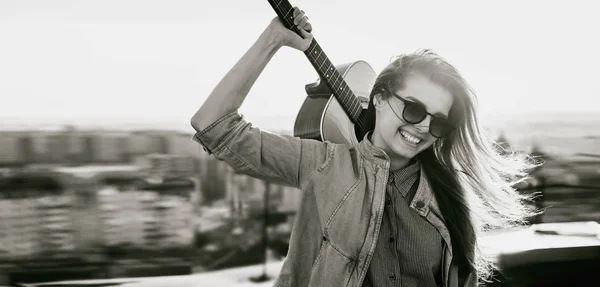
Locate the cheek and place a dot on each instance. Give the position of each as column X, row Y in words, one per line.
column 429, row 141
column 389, row 124
column 393, row 122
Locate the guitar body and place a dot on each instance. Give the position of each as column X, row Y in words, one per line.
column 335, row 107
column 322, row 116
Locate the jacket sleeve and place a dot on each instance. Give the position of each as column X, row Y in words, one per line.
column 281, row 159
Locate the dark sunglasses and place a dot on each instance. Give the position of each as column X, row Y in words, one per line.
column 414, row 113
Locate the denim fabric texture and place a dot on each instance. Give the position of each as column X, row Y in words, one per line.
column 343, row 197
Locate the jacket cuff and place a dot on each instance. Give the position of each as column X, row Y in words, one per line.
column 214, row 136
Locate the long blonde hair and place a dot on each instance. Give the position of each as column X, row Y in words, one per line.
column 472, row 176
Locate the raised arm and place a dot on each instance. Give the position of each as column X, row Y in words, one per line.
column 224, row 133
column 230, row 92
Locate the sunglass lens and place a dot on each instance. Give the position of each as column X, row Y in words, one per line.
column 440, row 127
column 414, row 113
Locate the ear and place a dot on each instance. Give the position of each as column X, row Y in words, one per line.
column 377, row 101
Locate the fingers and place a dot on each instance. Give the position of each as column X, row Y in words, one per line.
column 298, row 15
column 307, row 27
column 301, row 20
column 297, row 11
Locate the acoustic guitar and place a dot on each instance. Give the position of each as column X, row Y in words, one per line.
column 335, row 107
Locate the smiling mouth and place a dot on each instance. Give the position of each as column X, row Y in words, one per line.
column 410, row 138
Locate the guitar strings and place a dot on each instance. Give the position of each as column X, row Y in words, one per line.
column 356, row 113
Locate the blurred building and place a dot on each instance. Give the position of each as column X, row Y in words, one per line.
column 108, row 147
column 57, row 148
column 68, row 145
column 183, row 145
column 121, row 214
column 39, row 147
column 146, row 219
column 139, row 210
column 10, row 149
column 68, row 211
column 35, row 216
column 141, row 143
column 212, row 176
column 165, row 165
column 19, row 236
column 55, row 224
column 246, row 195
column 172, row 220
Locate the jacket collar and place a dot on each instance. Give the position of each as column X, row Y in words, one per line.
column 372, row 152
column 424, row 200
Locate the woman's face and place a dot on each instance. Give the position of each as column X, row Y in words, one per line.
column 402, row 140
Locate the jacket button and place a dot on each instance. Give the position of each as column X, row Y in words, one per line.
column 393, row 277
column 388, row 202
column 391, row 239
column 420, row 204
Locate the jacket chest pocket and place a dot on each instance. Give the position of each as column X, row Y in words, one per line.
column 347, row 226
column 331, row 268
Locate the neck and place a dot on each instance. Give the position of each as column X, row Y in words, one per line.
column 396, row 161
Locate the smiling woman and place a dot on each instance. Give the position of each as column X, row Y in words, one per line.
column 431, row 117
column 406, row 204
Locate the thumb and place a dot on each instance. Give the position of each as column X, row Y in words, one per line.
column 301, row 42
column 306, row 37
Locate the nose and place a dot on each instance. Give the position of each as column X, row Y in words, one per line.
column 423, row 127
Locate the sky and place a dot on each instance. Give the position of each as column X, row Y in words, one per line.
column 151, row 60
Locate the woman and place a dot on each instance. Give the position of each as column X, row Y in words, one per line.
column 402, row 208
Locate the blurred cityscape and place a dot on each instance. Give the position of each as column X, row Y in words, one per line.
column 79, row 203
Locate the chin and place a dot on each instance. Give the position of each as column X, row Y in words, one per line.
column 402, row 150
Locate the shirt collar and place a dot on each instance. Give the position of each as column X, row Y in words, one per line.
column 405, row 177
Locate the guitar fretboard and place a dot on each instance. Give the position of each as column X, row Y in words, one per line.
column 322, row 65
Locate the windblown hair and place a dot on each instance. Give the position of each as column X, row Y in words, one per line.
column 472, row 176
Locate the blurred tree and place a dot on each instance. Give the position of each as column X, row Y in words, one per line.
column 212, row 182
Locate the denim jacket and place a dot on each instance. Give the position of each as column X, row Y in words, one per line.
column 343, row 195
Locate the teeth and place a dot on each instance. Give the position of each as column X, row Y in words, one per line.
column 410, row 138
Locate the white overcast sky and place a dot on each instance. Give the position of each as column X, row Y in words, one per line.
column 151, row 59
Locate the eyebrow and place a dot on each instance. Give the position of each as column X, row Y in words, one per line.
column 435, row 114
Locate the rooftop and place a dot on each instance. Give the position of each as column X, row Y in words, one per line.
column 239, row 277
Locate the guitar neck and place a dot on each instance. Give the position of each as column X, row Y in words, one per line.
column 322, row 64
